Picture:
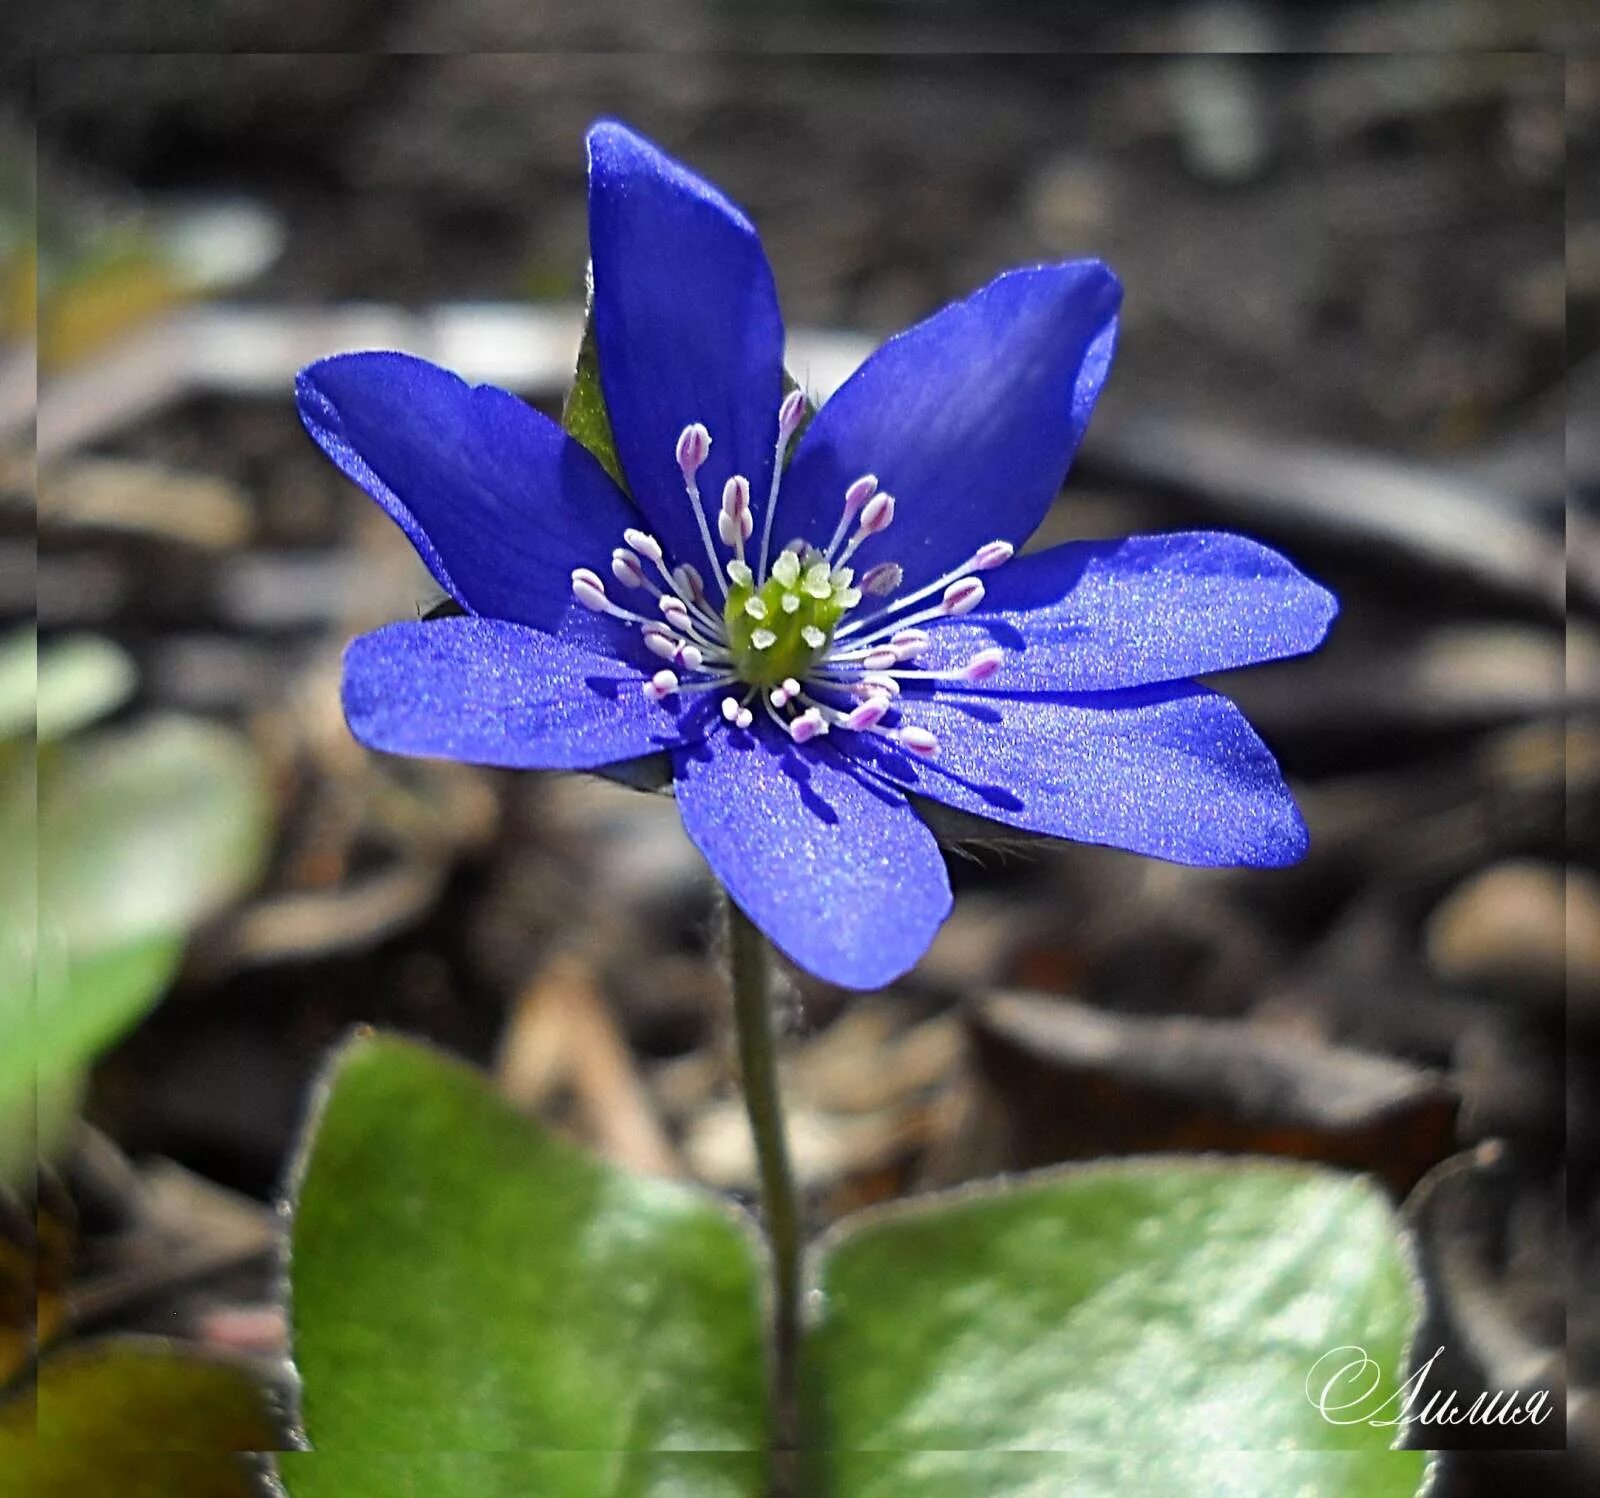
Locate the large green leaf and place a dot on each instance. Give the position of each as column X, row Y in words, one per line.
column 145, row 830
column 525, row 1474
column 584, row 413
column 1160, row 1306
column 1127, row 1474
column 461, row 1280
column 137, row 1419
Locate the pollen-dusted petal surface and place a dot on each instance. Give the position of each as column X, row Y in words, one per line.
column 490, row 693
column 500, row 503
column 969, row 419
column 1092, row 616
column 1172, row 771
column 687, row 325
column 831, row 864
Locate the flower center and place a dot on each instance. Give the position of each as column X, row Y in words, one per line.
column 783, row 627
column 781, row 641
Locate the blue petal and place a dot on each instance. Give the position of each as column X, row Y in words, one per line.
column 1091, row 616
column 969, row 419
column 834, row 866
column 498, row 500
column 492, row 693
column 687, row 325
column 1172, row 771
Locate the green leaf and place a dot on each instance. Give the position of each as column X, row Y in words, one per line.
column 138, row 1419
column 461, row 1280
column 1164, row 1306
column 1128, row 1474
column 584, row 413
column 81, row 679
column 521, row 1474
column 19, row 683
column 146, row 830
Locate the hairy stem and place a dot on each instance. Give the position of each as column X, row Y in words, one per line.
column 751, row 964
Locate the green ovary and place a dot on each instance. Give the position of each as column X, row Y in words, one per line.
column 763, row 661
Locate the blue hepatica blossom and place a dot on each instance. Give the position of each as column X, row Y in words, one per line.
column 813, row 636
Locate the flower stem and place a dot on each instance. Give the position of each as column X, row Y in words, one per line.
column 750, row 959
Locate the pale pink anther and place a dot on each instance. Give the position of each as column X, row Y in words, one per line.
column 730, row 708
column 694, row 445
column 983, row 665
column 674, row 610
column 790, row 413
column 626, row 569
column 589, row 590
column 662, row 684
column 791, row 686
column 736, row 495
column 664, row 645
column 859, row 493
column 643, row 543
column 691, row 658
column 868, row 715
column 882, row 580
column 807, row 726
column 729, row 529
column 655, row 627
column 745, row 718
column 917, row 740
column 962, row 597
column 908, row 643
column 878, row 682
column 881, row 659
column 991, row 555
column 877, row 515
column 689, row 581
column 779, row 696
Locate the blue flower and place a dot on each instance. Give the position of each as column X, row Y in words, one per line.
column 813, row 635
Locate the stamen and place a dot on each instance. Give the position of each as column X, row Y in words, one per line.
column 589, row 590
column 694, row 447
column 694, row 444
column 790, row 414
column 868, row 715
column 626, row 569
column 663, row 684
column 689, row 583
column 917, row 740
column 691, row 658
column 908, row 643
column 730, row 708
column 807, row 726
column 664, row 645
column 882, row 580
column 992, row 554
column 962, row 597
column 983, row 665
column 643, row 543
column 876, row 517
column 735, row 522
column 854, row 497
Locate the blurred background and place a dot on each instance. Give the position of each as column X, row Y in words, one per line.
column 1362, row 323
